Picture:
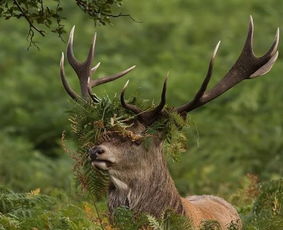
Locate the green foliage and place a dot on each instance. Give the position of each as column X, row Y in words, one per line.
column 101, row 11
column 210, row 225
column 25, row 211
column 48, row 15
column 176, row 138
column 23, row 168
column 124, row 219
column 21, row 211
column 267, row 211
column 38, row 12
column 169, row 220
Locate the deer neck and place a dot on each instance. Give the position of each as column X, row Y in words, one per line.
column 147, row 189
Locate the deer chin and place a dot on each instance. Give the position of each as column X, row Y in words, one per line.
column 102, row 164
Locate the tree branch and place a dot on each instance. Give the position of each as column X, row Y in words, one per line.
column 41, row 32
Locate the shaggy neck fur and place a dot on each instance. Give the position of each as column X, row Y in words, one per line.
column 147, row 188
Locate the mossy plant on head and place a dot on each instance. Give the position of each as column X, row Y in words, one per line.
column 92, row 123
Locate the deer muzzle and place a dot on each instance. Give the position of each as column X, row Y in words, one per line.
column 100, row 157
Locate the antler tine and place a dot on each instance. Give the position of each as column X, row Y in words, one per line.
column 106, row 79
column 83, row 69
column 247, row 66
column 270, row 57
column 274, row 47
column 130, row 107
column 93, row 69
column 248, row 46
column 71, row 92
column 151, row 115
column 146, row 117
column 190, row 105
column 162, row 103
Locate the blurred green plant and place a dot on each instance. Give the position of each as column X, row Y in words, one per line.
column 23, row 168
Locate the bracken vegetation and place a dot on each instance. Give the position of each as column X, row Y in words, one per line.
column 231, row 148
column 260, row 209
column 93, row 122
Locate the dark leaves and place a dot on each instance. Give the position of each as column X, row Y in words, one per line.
column 43, row 16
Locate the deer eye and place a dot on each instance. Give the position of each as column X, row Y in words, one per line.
column 137, row 142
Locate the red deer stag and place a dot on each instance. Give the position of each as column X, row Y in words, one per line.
column 140, row 179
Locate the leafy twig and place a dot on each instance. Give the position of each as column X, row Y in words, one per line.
column 41, row 32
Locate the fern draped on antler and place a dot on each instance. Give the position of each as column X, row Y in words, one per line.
column 93, row 122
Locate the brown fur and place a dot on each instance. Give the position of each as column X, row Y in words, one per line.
column 207, row 207
column 141, row 181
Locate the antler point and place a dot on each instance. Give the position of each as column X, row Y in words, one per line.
column 251, row 23
column 126, row 85
column 130, row 69
column 73, row 29
column 93, row 69
column 216, row 49
column 94, row 38
column 62, row 59
column 277, row 33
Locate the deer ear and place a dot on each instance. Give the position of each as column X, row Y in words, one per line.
column 266, row 68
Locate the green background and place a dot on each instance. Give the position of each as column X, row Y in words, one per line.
column 240, row 133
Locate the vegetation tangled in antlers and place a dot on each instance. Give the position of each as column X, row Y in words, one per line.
column 93, row 118
column 248, row 66
column 92, row 122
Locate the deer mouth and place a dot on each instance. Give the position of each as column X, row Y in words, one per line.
column 101, row 164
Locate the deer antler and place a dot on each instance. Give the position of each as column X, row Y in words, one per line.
column 146, row 117
column 248, row 66
column 84, row 71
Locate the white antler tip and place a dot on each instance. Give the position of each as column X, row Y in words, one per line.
column 216, row 49
column 126, row 85
column 73, row 29
column 129, row 69
column 62, row 58
column 251, row 21
column 95, row 67
column 277, row 33
column 71, row 37
column 94, row 39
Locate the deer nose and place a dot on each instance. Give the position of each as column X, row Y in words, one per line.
column 94, row 152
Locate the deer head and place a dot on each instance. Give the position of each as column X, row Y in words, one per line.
column 132, row 166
